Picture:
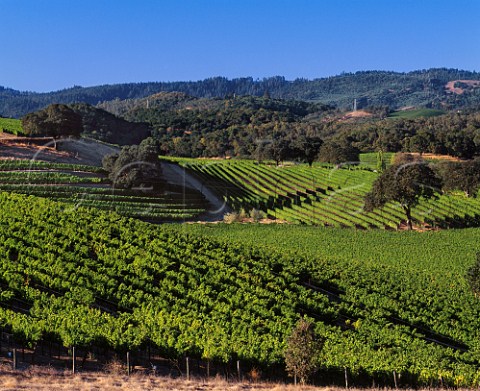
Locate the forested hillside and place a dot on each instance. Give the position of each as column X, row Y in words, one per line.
column 428, row 88
column 267, row 128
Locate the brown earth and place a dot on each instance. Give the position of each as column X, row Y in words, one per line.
column 406, row 108
column 48, row 379
column 75, row 151
column 356, row 114
column 450, row 86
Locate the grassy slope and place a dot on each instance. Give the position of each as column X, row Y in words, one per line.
column 370, row 159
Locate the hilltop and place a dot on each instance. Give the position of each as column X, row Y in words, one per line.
column 437, row 88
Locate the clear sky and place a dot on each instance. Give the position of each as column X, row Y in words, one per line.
column 53, row 44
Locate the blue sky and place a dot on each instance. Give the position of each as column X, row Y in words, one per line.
column 53, row 44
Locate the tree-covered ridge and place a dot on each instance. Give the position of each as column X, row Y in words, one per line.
column 105, row 126
column 454, row 133
column 256, row 127
column 417, row 88
column 236, row 126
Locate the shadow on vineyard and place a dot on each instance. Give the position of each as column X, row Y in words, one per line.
column 324, row 195
column 334, row 294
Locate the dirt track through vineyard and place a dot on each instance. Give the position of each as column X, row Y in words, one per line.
column 71, row 151
column 177, row 175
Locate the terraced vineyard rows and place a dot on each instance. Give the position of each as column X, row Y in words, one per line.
column 322, row 195
column 78, row 185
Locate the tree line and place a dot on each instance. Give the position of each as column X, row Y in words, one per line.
column 260, row 128
column 255, row 127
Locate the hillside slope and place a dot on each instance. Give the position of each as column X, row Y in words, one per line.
column 94, row 280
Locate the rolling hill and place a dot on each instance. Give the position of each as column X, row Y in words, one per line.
column 437, row 88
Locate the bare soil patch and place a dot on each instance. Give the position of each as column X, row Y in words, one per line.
column 406, row 108
column 450, row 86
column 352, row 115
column 74, row 151
column 422, row 227
column 6, row 136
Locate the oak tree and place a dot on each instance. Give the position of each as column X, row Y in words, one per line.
column 406, row 184
column 55, row 120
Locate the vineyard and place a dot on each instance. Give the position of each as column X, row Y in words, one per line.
column 323, row 195
column 88, row 278
column 13, row 126
column 80, row 185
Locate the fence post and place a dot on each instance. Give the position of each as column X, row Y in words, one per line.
column 395, row 379
column 346, row 377
column 187, row 367
column 73, row 359
column 14, row 363
column 238, row 370
column 128, row 363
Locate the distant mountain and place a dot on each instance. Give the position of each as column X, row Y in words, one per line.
column 435, row 88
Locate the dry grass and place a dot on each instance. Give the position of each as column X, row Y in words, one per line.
column 433, row 156
column 352, row 115
column 44, row 378
column 47, row 378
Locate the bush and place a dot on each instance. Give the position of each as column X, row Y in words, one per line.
column 256, row 215
column 230, row 218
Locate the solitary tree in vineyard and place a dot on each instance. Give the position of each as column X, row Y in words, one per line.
column 303, row 348
column 406, row 184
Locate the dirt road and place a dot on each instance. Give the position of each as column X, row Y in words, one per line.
column 173, row 173
column 69, row 150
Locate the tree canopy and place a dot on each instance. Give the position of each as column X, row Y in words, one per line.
column 338, row 152
column 56, row 120
column 135, row 165
column 406, row 184
column 464, row 176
